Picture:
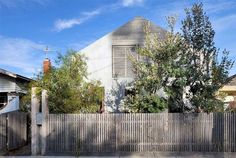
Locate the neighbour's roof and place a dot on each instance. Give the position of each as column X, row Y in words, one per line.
column 231, row 81
column 13, row 75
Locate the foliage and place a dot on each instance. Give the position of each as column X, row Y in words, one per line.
column 183, row 66
column 68, row 88
column 206, row 74
column 157, row 58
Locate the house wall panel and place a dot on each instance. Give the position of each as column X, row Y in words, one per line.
column 7, row 84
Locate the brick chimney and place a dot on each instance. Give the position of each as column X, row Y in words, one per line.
column 46, row 65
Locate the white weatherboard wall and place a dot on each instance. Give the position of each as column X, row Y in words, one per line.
column 7, row 85
column 99, row 62
column 12, row 86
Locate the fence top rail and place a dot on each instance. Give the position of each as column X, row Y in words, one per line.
column 14, row 112
column 146, row 114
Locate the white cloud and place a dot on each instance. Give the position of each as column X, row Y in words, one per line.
column 224, row 23
column 128, row 3
column 65, row 24
column 21, row 54
column 62, row 24
column 92, row 13
column 21, row 3
column 219, row 7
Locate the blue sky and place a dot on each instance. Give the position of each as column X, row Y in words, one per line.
column 28, row 26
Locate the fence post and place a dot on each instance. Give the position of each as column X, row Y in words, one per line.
column 45, row 112
column 35, row 144
column 117, row 120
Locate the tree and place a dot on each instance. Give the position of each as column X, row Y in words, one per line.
column 153, row 73
column 184, row 66
column 68, row 89
column 206, row 74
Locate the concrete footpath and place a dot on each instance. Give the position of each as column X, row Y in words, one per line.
column 147, row 155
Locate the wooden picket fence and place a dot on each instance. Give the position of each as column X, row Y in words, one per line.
column 118, row 133
column 13, row 130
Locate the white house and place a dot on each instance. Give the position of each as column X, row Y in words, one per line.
column 107, row 59
column 12, row 87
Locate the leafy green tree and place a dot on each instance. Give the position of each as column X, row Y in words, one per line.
column 68, row 89
column 183, row 66
column 206, row 73
column 153, row 69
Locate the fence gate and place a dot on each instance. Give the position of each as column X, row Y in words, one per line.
column 13, row 130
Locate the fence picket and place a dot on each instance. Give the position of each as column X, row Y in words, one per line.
column 140, row 132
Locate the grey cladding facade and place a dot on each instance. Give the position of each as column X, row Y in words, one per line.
column 109, row 58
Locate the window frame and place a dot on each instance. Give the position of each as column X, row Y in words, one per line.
column 126, row 75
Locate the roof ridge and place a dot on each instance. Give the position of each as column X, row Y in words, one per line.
column 14, row 75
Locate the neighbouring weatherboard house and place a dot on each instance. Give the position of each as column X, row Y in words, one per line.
column 12, row 88
column 229, row 90
column 108, row 59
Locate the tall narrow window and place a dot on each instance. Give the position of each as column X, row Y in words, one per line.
column 122, row 66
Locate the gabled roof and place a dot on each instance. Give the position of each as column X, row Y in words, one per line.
column 13, row 75
column 133, row 31
column 136, row 27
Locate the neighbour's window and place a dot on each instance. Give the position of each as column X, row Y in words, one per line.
column 3, row 100
column 121, row 63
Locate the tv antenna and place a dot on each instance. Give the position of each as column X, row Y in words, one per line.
column 47, row 50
